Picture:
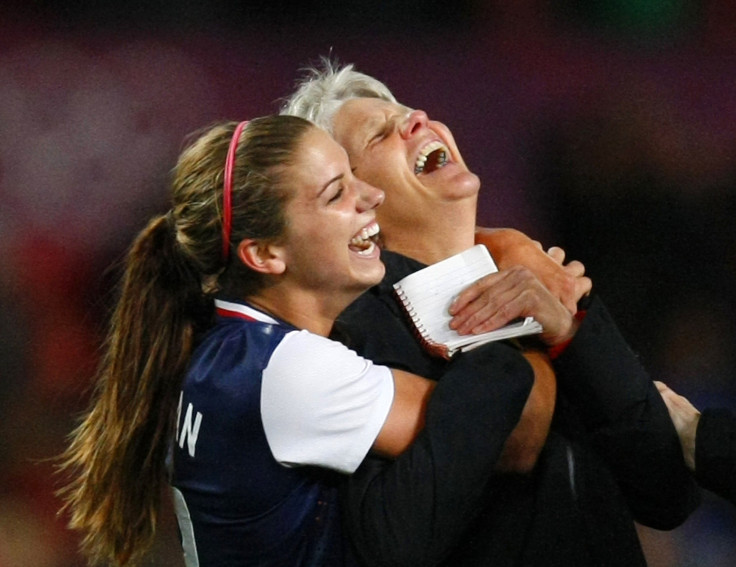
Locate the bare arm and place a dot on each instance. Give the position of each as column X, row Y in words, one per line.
column 412, row 393
column 407, row 416
column 523, row 446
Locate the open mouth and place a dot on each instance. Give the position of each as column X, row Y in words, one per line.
column 432, row 157
column 365, row 241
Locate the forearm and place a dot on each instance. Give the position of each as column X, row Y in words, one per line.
column 627, row 421
column 522, row 448
column 411, row 511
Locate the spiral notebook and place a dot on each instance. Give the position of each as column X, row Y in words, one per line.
column 427, row 294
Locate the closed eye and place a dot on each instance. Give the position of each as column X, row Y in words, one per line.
column 336, row 196
column 377, row 138
column 382, row 132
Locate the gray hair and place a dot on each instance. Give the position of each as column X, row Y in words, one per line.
column 322, row 91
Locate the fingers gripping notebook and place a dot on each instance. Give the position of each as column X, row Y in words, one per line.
column 427, row 294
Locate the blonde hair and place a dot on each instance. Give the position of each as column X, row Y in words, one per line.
column 115, row 465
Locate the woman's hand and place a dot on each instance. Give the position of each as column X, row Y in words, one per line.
column 510, row 247
column 685, row 418
column 497, row 299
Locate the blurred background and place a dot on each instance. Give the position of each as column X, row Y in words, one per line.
column 607, row 127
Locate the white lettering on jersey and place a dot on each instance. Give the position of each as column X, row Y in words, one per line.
column 189, row 430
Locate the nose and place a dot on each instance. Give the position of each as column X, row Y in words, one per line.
column 415, row 121
column 369, row 197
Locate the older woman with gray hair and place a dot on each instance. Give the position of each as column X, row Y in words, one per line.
column 607, row 457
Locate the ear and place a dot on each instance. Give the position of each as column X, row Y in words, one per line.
column 261, row 256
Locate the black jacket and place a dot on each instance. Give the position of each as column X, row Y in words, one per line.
column 612, row 456
column 715, row 452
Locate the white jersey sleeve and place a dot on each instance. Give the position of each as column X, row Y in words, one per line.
column 321, row 403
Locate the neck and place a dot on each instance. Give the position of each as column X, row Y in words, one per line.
column 301, row 308
column 434, row 237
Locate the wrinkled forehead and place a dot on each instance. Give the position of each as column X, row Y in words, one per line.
column 360, row 111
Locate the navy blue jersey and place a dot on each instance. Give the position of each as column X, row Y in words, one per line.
column 236, row 504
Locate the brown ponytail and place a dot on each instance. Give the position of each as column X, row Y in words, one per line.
column 118, row 452
column 116, row 460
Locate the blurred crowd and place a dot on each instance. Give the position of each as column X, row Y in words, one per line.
column 608, row 128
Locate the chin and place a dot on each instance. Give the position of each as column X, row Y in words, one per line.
column 457, row 184
column 374, row 277
column 467, row 184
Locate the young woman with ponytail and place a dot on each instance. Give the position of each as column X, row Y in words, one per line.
column 218, row 378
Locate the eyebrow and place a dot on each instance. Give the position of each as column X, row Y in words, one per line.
column 330, row 182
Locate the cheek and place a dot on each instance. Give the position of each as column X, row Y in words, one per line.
column 382, row 172
column 324, row 240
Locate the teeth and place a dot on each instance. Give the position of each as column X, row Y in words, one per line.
column 361, row 240
column 368, row 250
column 424, row 153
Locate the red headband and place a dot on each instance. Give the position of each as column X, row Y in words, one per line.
column 227, row 191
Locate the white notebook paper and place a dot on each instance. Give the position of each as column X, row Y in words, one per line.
column 428, row 293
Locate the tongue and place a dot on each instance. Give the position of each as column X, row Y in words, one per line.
column 433, row 161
